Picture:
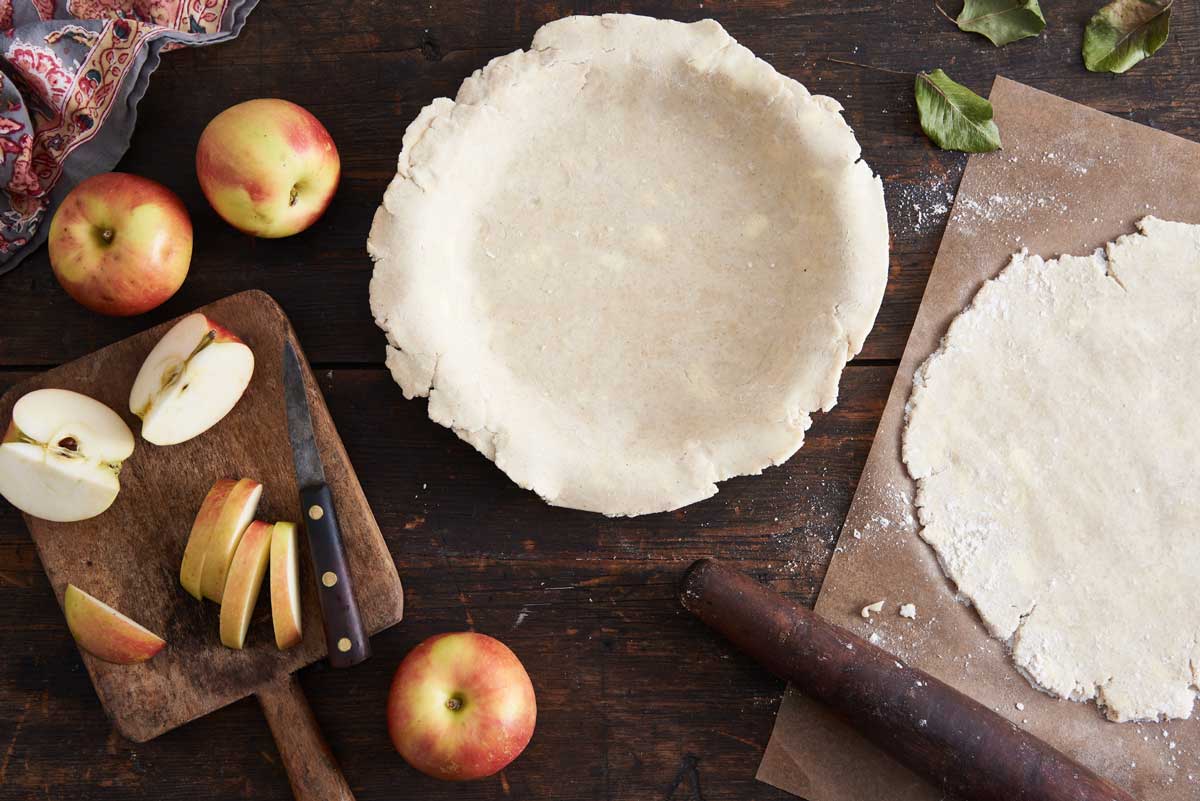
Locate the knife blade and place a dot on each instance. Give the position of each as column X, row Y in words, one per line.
column 345, row 636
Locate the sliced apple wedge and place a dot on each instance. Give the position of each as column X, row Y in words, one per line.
column 222, row 540
column 105, row 633
column 206, row 521
column 285, row 586
column 245, row 580
column 192, row 378
column 61, row 454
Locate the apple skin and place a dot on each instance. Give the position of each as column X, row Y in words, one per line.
column 285, row 587
column 207, row 519
column 246, row 574
column 145, row 257
column 105, row 633
column 495, row 714
column 268, row 167
column 236, row 515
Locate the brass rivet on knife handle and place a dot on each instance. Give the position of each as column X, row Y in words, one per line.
column 329, row 578
column 315, row 512
column 958, row 744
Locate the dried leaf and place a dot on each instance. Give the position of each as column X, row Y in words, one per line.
column 953, row 116
column 1002, row 21
column 1124, row 32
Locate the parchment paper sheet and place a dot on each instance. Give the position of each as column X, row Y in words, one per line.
column 1068, row 179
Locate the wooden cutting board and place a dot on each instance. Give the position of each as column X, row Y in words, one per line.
column 129, row 557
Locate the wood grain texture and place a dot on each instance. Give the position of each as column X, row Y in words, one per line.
column 129, row 556
column 312, row 771
column 637, row 700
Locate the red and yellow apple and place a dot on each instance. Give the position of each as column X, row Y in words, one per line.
column 461, row 706
column 120, row 244
column 268, row 167
column 190, row 380
column 222, row 520
column 105, row 633
column 61, row 454
column 285, row 586
column 246, row 573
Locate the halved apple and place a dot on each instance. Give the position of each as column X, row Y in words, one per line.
column 245, row 580
column 192, row 378
column 105, row 633
column 285, row 586
column 61, row 455
column 219, row 546
column 197, row 544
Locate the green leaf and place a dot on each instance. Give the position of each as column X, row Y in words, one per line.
column 1002, row 21
column 953, row 116
column 1124, row 32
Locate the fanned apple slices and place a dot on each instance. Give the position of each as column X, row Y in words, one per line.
column 61, row 454
column 192, row 378
column 226, row 512
column 227, row 556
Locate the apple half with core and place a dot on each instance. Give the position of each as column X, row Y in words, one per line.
column 223, row 517
column 268, row 167
column 245, row 580
column 285, row 586
column 105, row 633
column 192, row 378
column 61, row 455
column 461, row 706
column 120, row 244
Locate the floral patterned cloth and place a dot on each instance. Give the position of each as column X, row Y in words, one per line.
column 73, row 72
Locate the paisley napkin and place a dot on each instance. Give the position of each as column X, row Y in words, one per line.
column 73, row 73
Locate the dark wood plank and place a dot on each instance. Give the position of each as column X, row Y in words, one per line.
column 366, row 69
column 637, row 701
column 635, row 696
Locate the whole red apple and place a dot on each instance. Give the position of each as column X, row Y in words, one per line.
column 120, row 244
column 268, row 167
column 461, row 706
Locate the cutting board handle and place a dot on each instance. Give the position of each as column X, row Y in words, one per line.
column 311, row 768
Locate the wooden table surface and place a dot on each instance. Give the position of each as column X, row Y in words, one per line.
column 636, row 700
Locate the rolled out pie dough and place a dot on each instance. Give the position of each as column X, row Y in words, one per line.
column 628, row 263
column 1055, row 437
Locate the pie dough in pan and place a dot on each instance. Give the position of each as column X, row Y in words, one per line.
column 629, row 262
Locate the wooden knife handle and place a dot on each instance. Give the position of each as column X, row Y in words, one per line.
column 311, row 768
column 344, row 634
column 958, row 744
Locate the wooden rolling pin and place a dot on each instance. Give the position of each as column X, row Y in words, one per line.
column 958, row 744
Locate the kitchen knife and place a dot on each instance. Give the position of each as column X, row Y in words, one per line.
column 963, row 748
column 344, row 634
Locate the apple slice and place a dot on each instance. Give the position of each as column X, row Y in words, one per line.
column 61, row 455
column 192, row 378
column 245, row 580
column 285, row 586
column 105, row 633
column 221, row 543
column 197, row 544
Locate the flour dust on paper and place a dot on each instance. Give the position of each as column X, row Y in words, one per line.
column 1055, row 438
